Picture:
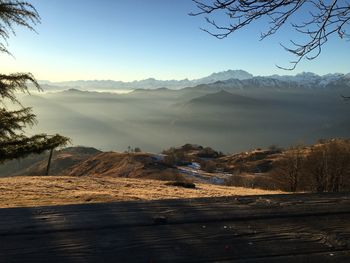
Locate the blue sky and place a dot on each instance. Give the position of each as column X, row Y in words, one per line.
column 133, row 40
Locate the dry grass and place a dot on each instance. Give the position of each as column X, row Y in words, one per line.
column 26, row 191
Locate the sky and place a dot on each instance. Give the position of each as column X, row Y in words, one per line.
column 134, row 40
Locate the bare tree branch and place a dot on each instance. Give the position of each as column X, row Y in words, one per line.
column 322, row 19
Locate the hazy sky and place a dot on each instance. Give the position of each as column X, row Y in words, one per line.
column 128, row 40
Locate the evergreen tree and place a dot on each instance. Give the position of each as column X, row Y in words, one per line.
column 13, row 141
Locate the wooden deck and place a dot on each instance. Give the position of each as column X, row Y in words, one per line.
column 274, row 228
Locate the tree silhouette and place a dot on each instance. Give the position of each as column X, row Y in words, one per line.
column 321, row 19
column 13, row 141
column 290, row 167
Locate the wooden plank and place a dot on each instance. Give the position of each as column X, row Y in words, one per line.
column 308, row 238
column 275, row 228
column 122, row 214
column 324, row 257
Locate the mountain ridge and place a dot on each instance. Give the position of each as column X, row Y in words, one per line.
column 149, row 83
column 305, row 78
column 222, row 97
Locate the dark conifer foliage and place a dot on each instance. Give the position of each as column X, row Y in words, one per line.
column 13, row 141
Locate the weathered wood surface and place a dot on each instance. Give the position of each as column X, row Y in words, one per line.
column 273, row 228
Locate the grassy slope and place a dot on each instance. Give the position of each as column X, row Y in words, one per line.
column 28, row 191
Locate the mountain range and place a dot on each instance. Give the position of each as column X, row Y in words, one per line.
column 306, row 79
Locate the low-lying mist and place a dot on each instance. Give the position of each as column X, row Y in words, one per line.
column 226, row 118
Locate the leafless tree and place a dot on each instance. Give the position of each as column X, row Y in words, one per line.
column 321, row 20
column 328, row 165
column 290, row 167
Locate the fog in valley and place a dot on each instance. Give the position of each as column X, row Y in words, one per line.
column 230, row 116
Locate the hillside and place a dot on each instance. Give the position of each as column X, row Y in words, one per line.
column 260, row 168
column 131, row 165
column 222, row 98
column 26, row 191
column 62, row 161
column 255, row 161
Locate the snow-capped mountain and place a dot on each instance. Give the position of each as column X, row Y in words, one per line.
column 224, row 78
column 150, row 83
column 309, row 79
column 225, row 75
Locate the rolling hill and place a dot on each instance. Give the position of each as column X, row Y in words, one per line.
column 62, row 161
column 223, row 98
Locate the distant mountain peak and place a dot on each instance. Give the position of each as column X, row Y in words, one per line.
column 225, row 75
column 306, row 74
column 74, row 90
column 222, row 97
column 307, row 79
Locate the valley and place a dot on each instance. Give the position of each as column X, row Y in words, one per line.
column 230, row 115
column 250, row 123
column 130, row 131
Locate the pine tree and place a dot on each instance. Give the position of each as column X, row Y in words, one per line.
column 13, row 141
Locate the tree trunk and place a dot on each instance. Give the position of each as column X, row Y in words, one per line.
column 49, row 163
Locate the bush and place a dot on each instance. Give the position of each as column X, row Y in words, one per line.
column 174, row 157
column 275, row 148
column 208, row 152
column 208, row 166
column 137, row 150
column 181, row 184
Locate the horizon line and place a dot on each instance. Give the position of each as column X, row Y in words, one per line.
column 192, row 79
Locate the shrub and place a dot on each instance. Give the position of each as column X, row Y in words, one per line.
column 173, row 158
column 137, row 150
column 275, row 148
column 208, row 152
column 181, row 184
column 208, row 166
